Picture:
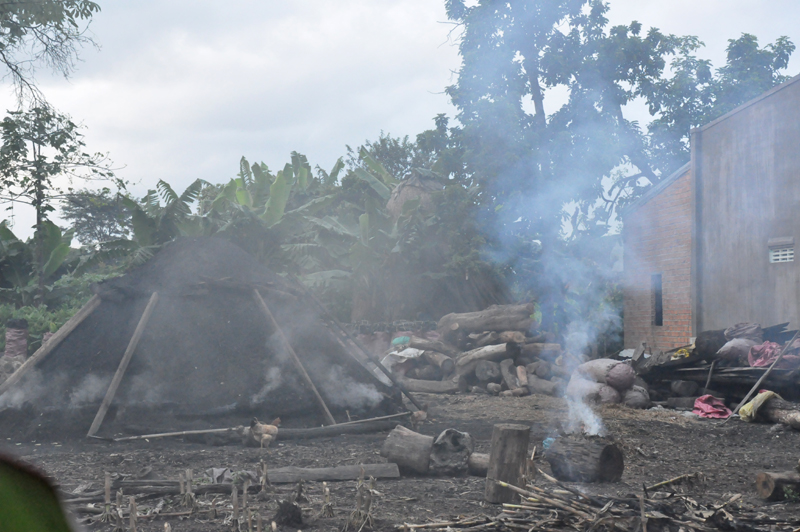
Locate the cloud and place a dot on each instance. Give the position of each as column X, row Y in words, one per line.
column 181, row 89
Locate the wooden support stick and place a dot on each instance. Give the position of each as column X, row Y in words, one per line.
column 290, row 433
column 710, row 373
column 274, row 324
column 50, row 345
column 360, row 346
column 764, row 376
column 123, row 364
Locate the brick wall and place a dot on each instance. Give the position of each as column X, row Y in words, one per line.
column 657, row 239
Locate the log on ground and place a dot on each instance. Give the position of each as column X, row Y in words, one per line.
column 778, row 486
column 585, row 460
column 410, row 450
column 777, row 410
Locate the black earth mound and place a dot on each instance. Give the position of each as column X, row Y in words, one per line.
column 207, row 356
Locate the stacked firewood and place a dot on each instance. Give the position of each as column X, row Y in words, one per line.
column 497, row 350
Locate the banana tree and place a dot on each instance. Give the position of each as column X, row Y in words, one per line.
column 21, row 280
column 154, row 224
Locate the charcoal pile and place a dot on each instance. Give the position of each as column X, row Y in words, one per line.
column 202, row 335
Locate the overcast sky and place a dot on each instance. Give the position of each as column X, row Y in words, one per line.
column 181, row 89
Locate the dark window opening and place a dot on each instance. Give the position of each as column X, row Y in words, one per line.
column 658, row 302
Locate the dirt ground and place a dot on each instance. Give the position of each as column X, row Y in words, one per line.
column 657, row 444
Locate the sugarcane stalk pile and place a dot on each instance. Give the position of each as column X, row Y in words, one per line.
column 558, row 506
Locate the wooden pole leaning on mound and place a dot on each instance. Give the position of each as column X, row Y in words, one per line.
column 274, row 324
column 123, row 365
column 507, row 461
column 358, row 344
column 50, row 345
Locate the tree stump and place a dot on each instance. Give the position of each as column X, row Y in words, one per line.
column 410, row 450
column 585, row 460
column 507, row 461
column 773, row 486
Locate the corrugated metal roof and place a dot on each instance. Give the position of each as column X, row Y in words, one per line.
column 655, row 190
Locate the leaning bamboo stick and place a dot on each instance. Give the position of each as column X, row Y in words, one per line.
column 123, row 365
column 764, row 376
column 274, row 324
column 50, row 345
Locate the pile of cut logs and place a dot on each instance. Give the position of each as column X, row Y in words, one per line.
column 496, row 350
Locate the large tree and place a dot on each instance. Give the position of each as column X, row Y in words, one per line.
column 35, row 33
column 543, row 92
column 40, row 149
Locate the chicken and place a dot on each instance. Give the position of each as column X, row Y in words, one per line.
column 264, row 433
column 419, row 416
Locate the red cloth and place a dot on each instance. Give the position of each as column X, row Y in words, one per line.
column 710, row 406
column 766, row 353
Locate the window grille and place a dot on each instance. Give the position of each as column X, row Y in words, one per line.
column 781, row 254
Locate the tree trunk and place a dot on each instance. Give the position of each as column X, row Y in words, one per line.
column 408, row 449
column 545, row 351
column 466, row 362
column 422, row 386
column 494, row 318
column 773, row 486
column 507, row 461
column 431, row 345
column 443, row 362
column 585, row 460
column 543, row 387
column 780, row 411
column 478, row 464
column 509, row 373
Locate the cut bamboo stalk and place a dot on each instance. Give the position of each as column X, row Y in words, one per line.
column 274, row 324
column 123, row 365
column 50, row 345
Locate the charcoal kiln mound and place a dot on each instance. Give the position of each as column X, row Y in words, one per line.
column 207, row 357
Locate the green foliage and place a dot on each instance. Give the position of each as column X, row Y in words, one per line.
column 96, row 215
column 38, row 146
column 65, row 297
column 42, row 32
column 531, row 162
column 21, row 280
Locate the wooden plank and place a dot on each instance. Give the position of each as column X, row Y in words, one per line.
column 274, row 324
column 50, row 345
column 123, row 365
column 291, row 474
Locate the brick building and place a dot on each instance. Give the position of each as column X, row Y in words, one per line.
column 713, row 244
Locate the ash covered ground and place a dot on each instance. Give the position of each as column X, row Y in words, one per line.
column 657, row 444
